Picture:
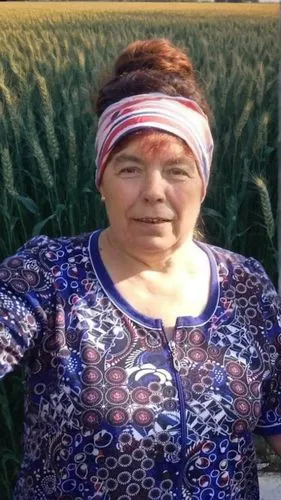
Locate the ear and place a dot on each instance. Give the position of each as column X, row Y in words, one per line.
column 101, row 193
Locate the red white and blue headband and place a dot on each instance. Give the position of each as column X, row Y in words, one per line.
column 179, row 116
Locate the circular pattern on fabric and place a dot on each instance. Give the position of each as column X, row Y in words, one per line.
column 148, row 483
column 169, row 391
column 156, row 399
column 198, row 355
column 138, row 454
column 19, row 285
column 238, row 387
column 111, row 462
column 103, row 473
column 133, row 489
column 117, row 416
column 61, row 284
column 154, row 387
column 234, row 369
column 141, row 395
column 154, row 493
column 39, row 389
column 116, row 375
column 208, row 447
column 91, row 375
column 170, row 405
column 5, row 274
column 124, row 477
column 147, row 443
column 204, row 481
column 91, row 418
column 91, row 396
column 90, row 355
column 241, row 288
column 49, row 484
column 14, row 262
column 256, row 409
column 239, row 426
column 125, row 460
column 117, row 395
column 202, row 462
column 223, row 479
column 143, row 417
column 242, row 406
column 112, row 484
column 31, row 277
column 138, row 474
column 196, row 337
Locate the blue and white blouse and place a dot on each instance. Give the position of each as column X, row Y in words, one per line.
column 115, row 411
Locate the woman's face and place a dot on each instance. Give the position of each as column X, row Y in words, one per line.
column 153, row 193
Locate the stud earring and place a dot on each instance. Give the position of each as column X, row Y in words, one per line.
column 102, row 198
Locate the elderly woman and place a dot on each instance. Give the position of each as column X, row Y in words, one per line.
column 151, row 357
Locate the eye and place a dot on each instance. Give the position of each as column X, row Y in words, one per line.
column 179, row 172
column 129, row 171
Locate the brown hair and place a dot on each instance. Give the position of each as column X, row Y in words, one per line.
column 153, row 65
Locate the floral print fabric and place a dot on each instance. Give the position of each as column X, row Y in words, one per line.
column 115, row 411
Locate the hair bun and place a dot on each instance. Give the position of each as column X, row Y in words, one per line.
column 157, row 54
column 152, row 65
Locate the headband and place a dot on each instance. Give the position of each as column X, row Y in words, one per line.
column 176, row 115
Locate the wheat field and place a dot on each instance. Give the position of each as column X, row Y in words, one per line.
column 52, row 58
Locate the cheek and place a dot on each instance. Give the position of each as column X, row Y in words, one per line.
column 118, row 204
column 188, row 197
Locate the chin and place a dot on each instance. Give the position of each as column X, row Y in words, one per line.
column 153, row 243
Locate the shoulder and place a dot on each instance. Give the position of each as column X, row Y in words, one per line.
column 238, row 264
column 40, row 260
column 249, row 278
column 45, row 248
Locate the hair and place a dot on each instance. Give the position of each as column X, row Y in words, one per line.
column 152, row 65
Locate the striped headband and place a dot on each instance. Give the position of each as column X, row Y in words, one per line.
column 179, row 116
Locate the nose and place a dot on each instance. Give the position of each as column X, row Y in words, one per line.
column 153, row 189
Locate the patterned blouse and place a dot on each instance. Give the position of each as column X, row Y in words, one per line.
column 115, row 411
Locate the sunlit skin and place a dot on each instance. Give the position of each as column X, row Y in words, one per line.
column 139, row 183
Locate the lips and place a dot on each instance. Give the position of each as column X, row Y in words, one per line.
column 152, row 220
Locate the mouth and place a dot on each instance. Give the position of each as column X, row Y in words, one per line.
column 152, row 220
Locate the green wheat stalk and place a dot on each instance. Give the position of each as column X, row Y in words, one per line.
column 265, row 205
column 262, row 132
column 8, row 172
column 52, row 142
column 43, row 166
column 45, row 96
column 243, row 119
column 72, row 167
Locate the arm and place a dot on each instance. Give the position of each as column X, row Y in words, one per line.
column 22, row 281
column 269, row 308
column 275, row 443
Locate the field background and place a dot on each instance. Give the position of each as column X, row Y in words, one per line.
column 53, row 55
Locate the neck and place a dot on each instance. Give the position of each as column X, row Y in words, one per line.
column 166, row 263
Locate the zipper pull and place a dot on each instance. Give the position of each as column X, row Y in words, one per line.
column 174, row 357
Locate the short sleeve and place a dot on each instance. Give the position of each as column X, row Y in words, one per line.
column 270, row 419
column 24, row 294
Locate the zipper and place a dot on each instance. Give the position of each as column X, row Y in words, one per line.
column 176, row 366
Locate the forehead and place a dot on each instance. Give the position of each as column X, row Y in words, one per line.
column 152, row 144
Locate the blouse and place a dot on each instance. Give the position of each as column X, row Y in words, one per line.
column 116, row 411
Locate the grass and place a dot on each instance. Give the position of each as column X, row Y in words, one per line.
column 52, row 56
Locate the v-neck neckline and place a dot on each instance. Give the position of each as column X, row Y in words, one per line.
column 123, row 305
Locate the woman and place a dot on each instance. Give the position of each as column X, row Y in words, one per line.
column 151, row 357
